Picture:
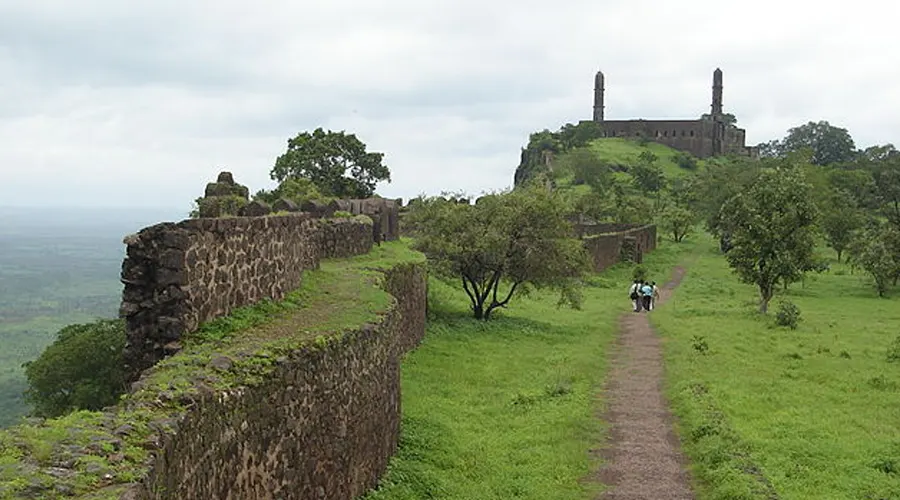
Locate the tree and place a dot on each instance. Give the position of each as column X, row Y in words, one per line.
column 829, row 144
column 677, row 221
column 728, row 118
column 336, row 162
column 685, row 160
column 648, row 175
column 81, row 370
column 874, row 251
column 586, row 168
column 771, row 230
column 840, row 218
column 886, row 176
column 296, row 189
column 504, row 245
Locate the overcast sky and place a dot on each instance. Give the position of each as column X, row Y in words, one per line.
column 112, row 103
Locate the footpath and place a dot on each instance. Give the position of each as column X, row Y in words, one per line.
column 642, row 456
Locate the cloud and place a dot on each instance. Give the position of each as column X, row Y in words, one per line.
column 109, row 103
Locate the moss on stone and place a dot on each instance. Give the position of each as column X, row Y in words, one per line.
column 96, row 455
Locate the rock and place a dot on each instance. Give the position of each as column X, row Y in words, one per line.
column 123, row 430
column 225, row 178
column 284, row 205
column 221, row 363
column 255, row 208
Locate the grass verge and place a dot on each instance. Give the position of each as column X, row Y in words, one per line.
column 769, row 412
column 508, row 408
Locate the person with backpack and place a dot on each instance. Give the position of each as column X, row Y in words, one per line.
column 646, row 295
column 634, row 293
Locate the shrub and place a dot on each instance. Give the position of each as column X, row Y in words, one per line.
column 685, row 161
column 893, row 352
column 342, row 214
column 788, row 315
column 82, row 369
column 639, row 273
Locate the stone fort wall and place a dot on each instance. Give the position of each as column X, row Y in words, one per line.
column 324, row 424
column 608, row 244
column 180, row 275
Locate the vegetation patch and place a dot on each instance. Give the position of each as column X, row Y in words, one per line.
column 98, row 452
column 508, row 408
column 809, row 411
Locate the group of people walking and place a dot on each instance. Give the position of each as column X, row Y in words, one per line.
column 644, row 295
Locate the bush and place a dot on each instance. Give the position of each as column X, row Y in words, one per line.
column 788, row 315
column 82, row 369
column 893, row 352
column 639, row 273
column 342, row 214
column 685, row 161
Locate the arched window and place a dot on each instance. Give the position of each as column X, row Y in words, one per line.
column 692, row 133
column 666, row 133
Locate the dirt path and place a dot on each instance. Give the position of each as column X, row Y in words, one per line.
column 642, row 457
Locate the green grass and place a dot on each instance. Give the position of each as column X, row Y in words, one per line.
column 343, row 294
column 626, row 152
column 810, row 413
column 508, row 408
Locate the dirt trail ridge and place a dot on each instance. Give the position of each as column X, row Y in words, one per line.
column 642, row 456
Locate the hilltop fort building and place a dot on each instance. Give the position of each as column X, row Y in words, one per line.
column 709, row 136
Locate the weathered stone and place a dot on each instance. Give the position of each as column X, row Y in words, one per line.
column 221, row 363
column 255, row 208
column 284, row 205
column 225, row 178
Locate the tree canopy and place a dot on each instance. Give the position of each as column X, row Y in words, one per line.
column 502, row 246
column 771, row 225
column 82, row 370
column 337, row 163
column 828, row 144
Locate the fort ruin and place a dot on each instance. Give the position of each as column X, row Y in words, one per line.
column 709, row 136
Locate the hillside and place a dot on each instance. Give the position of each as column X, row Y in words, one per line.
column 620, row 151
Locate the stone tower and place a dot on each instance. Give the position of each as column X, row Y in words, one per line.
column 717, row 93
column 598, row 97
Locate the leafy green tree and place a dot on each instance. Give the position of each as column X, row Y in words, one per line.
column 840, row 218
column 586, row 168
column 685, row 160
column 858, row 182
column 728, row 118
column 871, row 250
column 337, row 163
column 829, row 144
column 647, row 174
column 886, row 176
column 502, row 246
column 771, row 226
column 714, row 185
column 296, row 189
column 571, row 136
column 677, row 221
column 82, row 369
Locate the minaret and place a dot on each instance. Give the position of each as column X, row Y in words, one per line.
column 598, row 97
column 717, row 93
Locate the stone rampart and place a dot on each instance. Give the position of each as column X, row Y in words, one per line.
column 608, row 248
column 180, row 275
column 323, row 424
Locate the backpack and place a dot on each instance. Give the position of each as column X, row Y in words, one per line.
column 634, row 294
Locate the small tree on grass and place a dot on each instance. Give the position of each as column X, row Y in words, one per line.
column 503, row 246
column 840, row 218
column 872, row 251
column 771, row 228
column 677, row 221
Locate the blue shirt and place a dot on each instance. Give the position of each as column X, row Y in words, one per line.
column 647, row 290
